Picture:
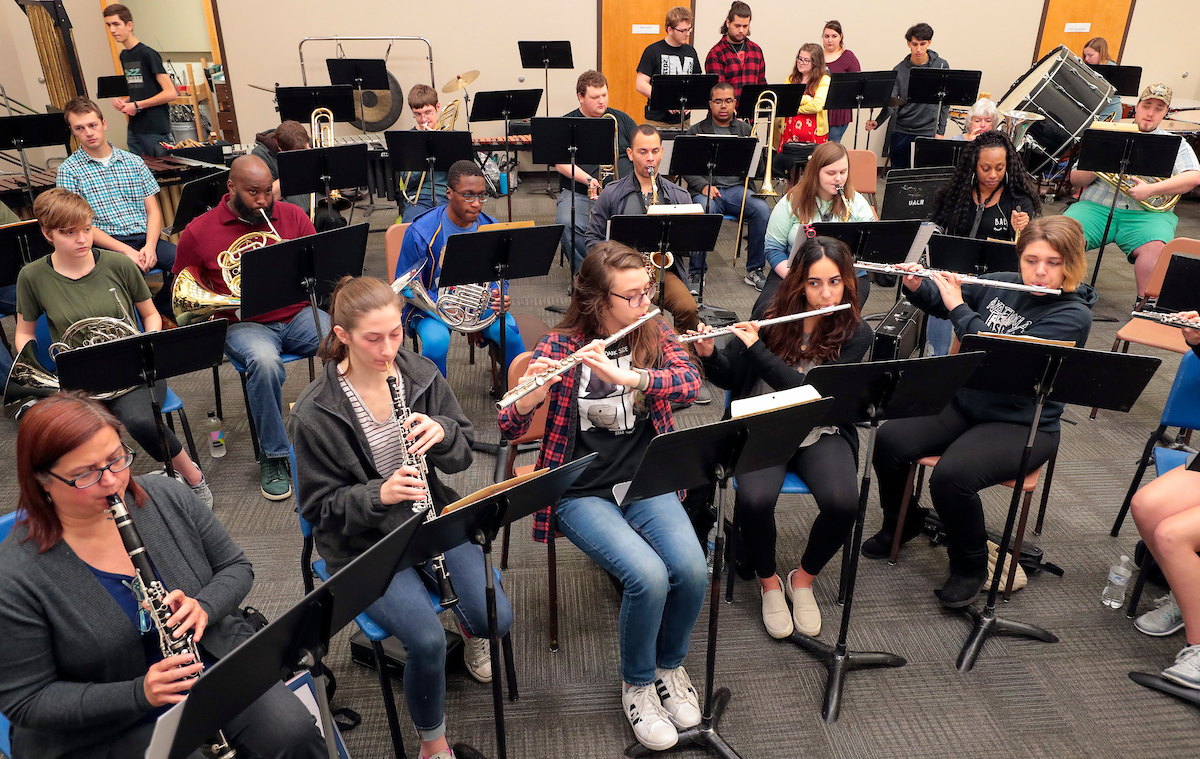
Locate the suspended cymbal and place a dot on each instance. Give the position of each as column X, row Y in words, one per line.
column 460, row 81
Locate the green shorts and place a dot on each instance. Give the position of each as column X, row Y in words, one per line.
column 1130, row 229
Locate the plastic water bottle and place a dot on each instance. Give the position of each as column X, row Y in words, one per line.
column 710, row 548
column 216, row 436
column 1118, row 580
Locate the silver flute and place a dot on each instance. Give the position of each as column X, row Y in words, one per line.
column 966, row 278
column 1171, row 320
column 568, row 363
column 765, row 322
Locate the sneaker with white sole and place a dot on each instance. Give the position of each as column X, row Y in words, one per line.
column 756, row 279
column 1162, row 621
column 651, row 723
column 1186, row 669
column 203, row 493
column 694, row 282
column 777, row 618
column 806, row 615
column 677, row 696
column 477, row 655
column 276, row 478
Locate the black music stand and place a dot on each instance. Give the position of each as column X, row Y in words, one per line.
column 710, row 455
column 361, row 74
column 967, row 255
column 930, row 151
column 505, row 105
column 1181, row 288
column 21, row 243
column 666, row 233
column 944, row 87
column 1127, row 79
column 198, row 196
column 670, row 92
column 1163, row 685
column 909, row 193
column 1043, row 373
column 787, row 99
column 546, row 55
column 321, row 170
column 858, row 90
column 882, row 242
column 307, row 268
column 418, row 150
column 36, row 130
column 112, row 86
column 145, row 359
column 214, row 154
column 1125, row 153
column 298, row 103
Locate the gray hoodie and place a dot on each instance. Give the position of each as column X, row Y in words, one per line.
column 916, row 118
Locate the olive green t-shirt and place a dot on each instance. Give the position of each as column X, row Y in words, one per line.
column 64, row 301
column 7, row 216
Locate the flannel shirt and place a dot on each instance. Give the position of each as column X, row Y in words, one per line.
column 1101, row 192
column 678, row 382
column 117, row 192
column 739, row 69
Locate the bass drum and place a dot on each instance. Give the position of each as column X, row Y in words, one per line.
column 1069, row 94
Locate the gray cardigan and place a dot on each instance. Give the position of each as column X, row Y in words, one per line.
column 72, row 664
column 339, row 484
column 612, row 202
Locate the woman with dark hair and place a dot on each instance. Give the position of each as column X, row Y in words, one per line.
column 355, row 486
column 990, row 196
column 81, row 670
column 838, row 60
column 810, row 126
column 980, row 435
column 613, row 404
column 1095, row 53
column 777, row 358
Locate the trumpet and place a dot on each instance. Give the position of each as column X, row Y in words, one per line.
column 966, row 278
column 765, row 323
column 566, row 365
column 1171, row 320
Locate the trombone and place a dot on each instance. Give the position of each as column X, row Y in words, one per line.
column 445, row 123
column 766, row 106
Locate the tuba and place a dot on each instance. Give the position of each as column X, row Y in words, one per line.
column 464, row 308
column 609, row 171
column 445, row 123
column 1016, row 124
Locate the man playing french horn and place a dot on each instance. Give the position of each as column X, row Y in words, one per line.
column 246, row 218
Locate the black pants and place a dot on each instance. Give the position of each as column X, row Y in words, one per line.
column 828, row 468
column 135, row 412
column 974, row 456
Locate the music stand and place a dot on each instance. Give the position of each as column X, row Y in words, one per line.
column 112, row 86
column 1159, row 683
column 909, row 193
column 198, row 196
column 298, row 103
column 943, row 86
column 666, row 233
column 1125, row 153
column 361, row 74
column 930, row 151
column 858, row 90
column 967, row 255
column 1126, row 79
column 322, row 169
column 214, row 154
column 36, row 130
column 669, row 92
column 504, row 105
column 417, row 150
column 21, row 243
column 145, row 359
column 1043, row 373
column 1181, row 289
column 882, row 242
column 710, row 455
column 787, row 99
column 546, row 55
column 307, row 268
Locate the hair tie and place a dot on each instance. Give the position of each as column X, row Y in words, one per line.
column 810, row 231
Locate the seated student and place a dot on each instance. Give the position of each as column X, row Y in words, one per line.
column 1095, row 53
column 980, row 435
column 426, row 110
column 122, row 193
column 913, row 119
column 982, row 117
column 76, row 282
column 777, row 358
column 355, row 486
column 990, row 196
column 289, row 135
column 82, row 671
column 1167, row 513
column 425, row 241
column 810, row 126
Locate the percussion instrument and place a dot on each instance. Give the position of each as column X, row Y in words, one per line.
column 461, row 81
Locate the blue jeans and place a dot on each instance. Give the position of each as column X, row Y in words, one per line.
column 435, row 339
column 901, row 153
column 8, row 300
column 836, row 132
column 413, row 210
column 6, row 362
column 562, row 215
column 757, row 215
column 939, row 333
column 406, row 612
column 165, row 250
column 148, row 144
column 651, row 548
column 257, row 347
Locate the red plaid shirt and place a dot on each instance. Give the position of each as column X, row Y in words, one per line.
column 678, row 382
column 739, row 69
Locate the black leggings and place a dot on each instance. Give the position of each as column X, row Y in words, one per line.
column 828, row 468
column 135, row 412
column 974, row 456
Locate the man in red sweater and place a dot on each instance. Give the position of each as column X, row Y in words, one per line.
column 257, row 342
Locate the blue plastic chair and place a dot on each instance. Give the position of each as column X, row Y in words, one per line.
column 287, row 358
column 6, row 524
column 1181, row 410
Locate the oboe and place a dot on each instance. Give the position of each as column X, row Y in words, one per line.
column 966, row 278
column 564, row 366
column 765, row 322
column 1171, row 320
column 149, row 590
column 446, row 596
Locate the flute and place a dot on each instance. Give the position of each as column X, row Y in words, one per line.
column 764, row 323
column 966, row 278
column 568, row 363
column 1171, row 320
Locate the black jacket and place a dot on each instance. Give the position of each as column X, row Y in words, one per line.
column 612, row 203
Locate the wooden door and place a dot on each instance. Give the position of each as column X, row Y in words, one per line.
column 626, row 28
column 1108, row 19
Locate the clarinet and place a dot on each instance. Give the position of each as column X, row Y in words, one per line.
column 150, row 590
column 446, row 596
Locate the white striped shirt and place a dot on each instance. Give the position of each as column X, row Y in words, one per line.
column 383, row 437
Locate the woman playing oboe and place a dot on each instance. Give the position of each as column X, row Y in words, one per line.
column 355, row 485
column 612, row 405
column 776, row 358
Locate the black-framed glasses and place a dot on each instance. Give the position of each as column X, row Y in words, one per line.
column 483, row 198
column 682, row 31
column 642, row 298
column 723, row 101
column 92, row 476
column 803, row 60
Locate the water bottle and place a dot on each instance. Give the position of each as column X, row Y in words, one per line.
column 1118, row 579
column 710, row 548
column 216, row 436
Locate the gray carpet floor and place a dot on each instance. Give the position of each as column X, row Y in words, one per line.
column 1024, row 698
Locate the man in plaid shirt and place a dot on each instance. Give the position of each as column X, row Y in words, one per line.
column 735, row 59
column 122, row 192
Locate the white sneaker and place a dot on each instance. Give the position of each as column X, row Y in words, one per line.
column 1164, row 620
column 806, row 615
column 477, row 655
column 776, row 617
column 677, row 696
column 650, row 722
column 203, row 493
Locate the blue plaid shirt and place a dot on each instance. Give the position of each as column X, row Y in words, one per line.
column 1101, row 192
column 116, row 192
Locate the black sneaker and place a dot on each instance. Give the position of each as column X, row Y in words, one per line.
column 694, row 282
column 755, row 278
column 879, row 546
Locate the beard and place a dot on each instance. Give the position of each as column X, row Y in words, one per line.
column 248, row 214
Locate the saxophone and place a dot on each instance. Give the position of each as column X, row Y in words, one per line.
column 150, row 591
column 446, row 596
column 841, row 193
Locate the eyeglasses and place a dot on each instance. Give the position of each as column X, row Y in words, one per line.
column 724, row 101
column 469, row 198
column 801, row 59
column 92, row 476
column 640, row 299
column 682, row 31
